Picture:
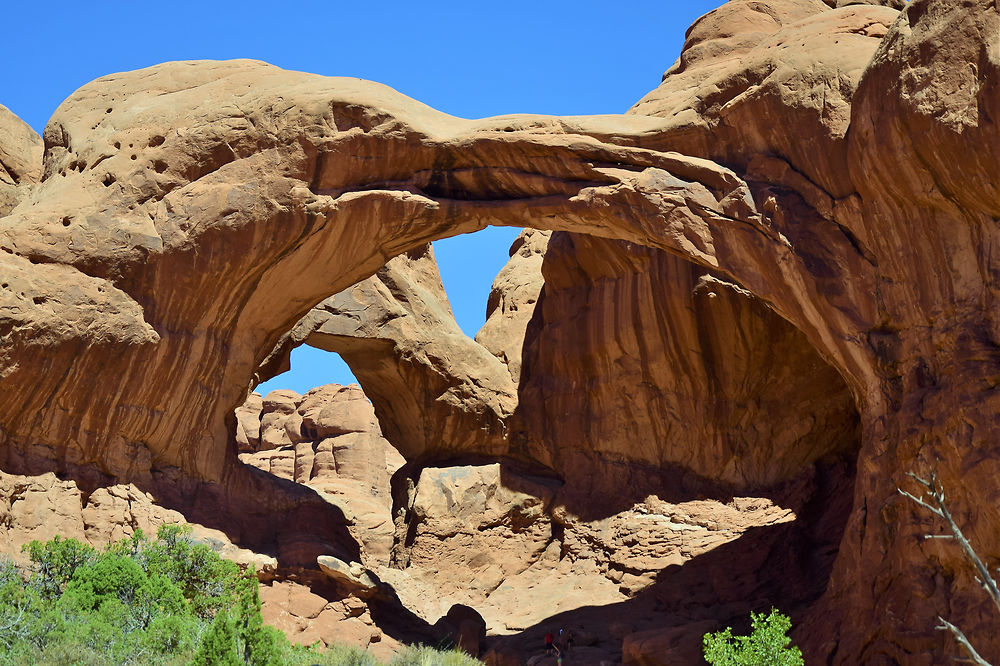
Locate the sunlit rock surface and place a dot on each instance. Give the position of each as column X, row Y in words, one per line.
column 831, row 166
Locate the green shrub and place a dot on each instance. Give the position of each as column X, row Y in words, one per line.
column 55, row 562
column 167, row 601
column 767, row 645
column 338, row 655
column 423, row 655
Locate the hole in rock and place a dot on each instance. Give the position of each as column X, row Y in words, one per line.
column 635, row 449
column 310, row 367
column 468, row 264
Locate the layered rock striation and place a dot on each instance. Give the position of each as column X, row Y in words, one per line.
column 832, row 160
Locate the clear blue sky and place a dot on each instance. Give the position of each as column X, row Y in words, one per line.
column 469, row 59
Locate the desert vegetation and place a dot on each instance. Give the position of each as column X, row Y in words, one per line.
column 767, row 644
column 161, row 601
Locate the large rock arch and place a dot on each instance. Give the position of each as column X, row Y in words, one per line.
column 262, row 215
column 191, row 213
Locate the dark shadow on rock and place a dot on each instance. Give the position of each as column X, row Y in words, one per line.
column 388, row 613
column 262, row 512
column 256, row 510
column 785, row 566
column 396, row 620
column 644, row 374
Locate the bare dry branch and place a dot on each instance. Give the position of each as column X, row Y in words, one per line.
column 960, row 637
column 934, row 501
column 937, row 496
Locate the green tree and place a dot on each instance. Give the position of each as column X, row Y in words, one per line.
column 218, row 647
column 767, row 645
column 168, row 602
column 55, row 562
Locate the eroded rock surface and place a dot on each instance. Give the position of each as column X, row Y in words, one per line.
column 20, row 159
column 307, row 617
column 636, row 360
column 330, row 441
column 627, row 359
column 512, row 300
column 499, row 541
column 495, row 539
column 835, row 162
column 39, row 508
column 435, row 390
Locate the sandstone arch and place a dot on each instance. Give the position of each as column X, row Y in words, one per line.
column 140, row 232
column 644, row 380
column 270, row 190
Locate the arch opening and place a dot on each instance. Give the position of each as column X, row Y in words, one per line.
column 510, row 518
column 306, row 202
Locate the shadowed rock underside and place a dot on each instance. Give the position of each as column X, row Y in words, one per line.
column 821, row 176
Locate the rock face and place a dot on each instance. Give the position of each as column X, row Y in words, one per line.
column 498, row 540
column 646, row 333
column 635, row 358
column 512, row 300
column 833, row 160
column 307, row 617
column 42, row 507
column 503, row 544
column 435, row 390
column 329, row 440
column 520, row 547
column 20, row 159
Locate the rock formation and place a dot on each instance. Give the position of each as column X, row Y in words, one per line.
column 498, row 540
column 832, row 160
column 39, row 508
column 680, row 364
column 20, row 159
column 437, row 392
column 554, row 532
column 617, row 318
column 329, row 440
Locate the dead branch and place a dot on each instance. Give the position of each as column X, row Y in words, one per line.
column 934, row 501
column 960, row 637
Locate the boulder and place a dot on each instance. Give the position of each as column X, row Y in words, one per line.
column 352, row 577
column 463, row 627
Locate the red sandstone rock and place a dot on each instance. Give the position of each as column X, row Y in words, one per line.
column 307, row 618
column 339, row 451
column 679, row 366
column 20, row 159
column 657, row 647
column 835, row 163
column 464, row 627
column 432, row 387
column 512, row 300
column 42, row 507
